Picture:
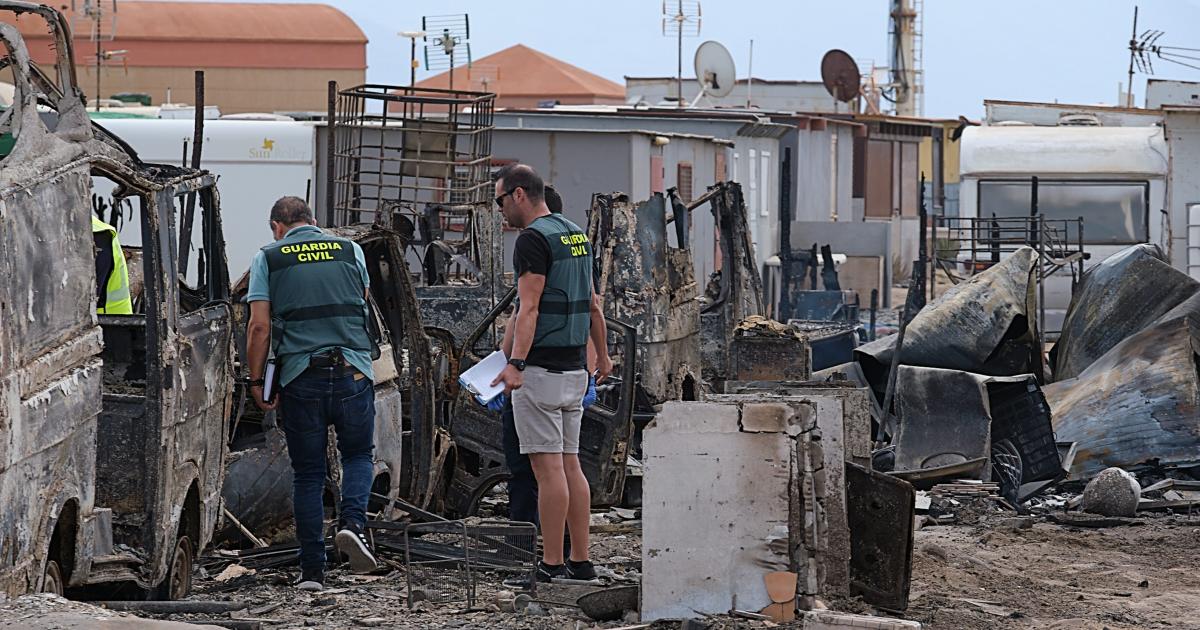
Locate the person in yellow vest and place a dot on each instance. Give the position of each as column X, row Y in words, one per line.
column 112, row 276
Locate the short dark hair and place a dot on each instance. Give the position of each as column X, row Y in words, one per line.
column 553, row 200
column 290, row 211
column 522, row 176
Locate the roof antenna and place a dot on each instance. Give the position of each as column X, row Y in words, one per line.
column 680, row 18
column 446, row 42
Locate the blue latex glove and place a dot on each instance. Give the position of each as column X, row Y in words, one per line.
column 589, row 397
column 497, row 404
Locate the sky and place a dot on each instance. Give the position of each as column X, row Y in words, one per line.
column 1071, row 51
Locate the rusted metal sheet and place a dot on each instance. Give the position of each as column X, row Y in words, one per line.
column 957, row 424
column 1139, row 404
column 880, row 516
column 1117, row 298
column 984, row 325
column 651, row 285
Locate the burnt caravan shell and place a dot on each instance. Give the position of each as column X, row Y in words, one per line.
column 50, row 365
column 168, row 382
column 1122, row 295
column 1139, row 404
column 739, row 293
column 145, row 472
column 651, row 285
column 984, row 325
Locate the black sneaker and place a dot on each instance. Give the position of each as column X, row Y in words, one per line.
column 312, row 580
column 351, row 541
column 547, row 572
column 580, row 570
column 544, row 573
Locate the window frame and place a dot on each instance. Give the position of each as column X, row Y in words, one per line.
column 1091, row 181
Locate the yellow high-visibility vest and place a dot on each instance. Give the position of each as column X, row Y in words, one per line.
column 117, row 302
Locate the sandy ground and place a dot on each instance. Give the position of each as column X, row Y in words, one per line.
column 992, row 574
column 1051, row 576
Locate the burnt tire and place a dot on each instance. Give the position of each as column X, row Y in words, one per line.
column 178, row 583
column 53, row 580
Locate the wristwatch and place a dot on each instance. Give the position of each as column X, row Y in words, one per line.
column 258, row 382
column 517, row 363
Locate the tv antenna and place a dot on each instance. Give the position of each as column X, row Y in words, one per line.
column 483, row 76
column 446, row 44
column 680, row 18
column 1142, row 49
column 101, row 20
column 841, row 76
column 714, row 70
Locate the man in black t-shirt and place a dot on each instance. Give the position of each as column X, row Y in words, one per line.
column 522, row 485
column 558, row 311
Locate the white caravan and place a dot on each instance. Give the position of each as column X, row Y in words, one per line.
column 1113, row 177
column 256, row 162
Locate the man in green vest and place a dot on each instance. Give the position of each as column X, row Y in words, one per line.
column 308, row 302
column 546, row 375
column 112, row 275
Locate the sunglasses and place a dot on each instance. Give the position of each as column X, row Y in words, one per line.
column 500, row 199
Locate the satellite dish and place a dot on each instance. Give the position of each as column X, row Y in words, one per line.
column 714, row 69
column 840, row 75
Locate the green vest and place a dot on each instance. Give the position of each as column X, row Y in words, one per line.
column 317, row 297
column 117, row 300
column 564, row 313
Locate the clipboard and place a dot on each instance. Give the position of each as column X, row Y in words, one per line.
column 478, row 379
column 270, row 382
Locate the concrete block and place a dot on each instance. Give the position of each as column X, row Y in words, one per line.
column 714, row 508
column 722, row 507
column 767, row 417
column 830, row 620
column 697, row 417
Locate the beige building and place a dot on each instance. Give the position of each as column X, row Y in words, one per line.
column 256, row 57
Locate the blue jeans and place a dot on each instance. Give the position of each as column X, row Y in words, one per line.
column 314, row 400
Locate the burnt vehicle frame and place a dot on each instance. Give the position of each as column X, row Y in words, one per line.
column 164, row 506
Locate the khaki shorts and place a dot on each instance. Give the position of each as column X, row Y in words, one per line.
column 547, row 410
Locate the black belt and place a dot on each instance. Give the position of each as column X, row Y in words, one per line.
column 330, row 359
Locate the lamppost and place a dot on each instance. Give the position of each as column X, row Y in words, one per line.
column 412, row 61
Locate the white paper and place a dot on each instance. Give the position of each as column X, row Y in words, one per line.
column 478, row 379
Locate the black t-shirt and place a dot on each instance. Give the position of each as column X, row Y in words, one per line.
column 532, row 254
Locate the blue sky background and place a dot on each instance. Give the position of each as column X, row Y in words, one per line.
column 1044, row 50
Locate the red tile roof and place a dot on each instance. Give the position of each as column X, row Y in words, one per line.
column 217, row 34
column 221, row 21
column 521, row 76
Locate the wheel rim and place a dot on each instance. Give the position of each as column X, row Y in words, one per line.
column 52, row 582
column 180, row 575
